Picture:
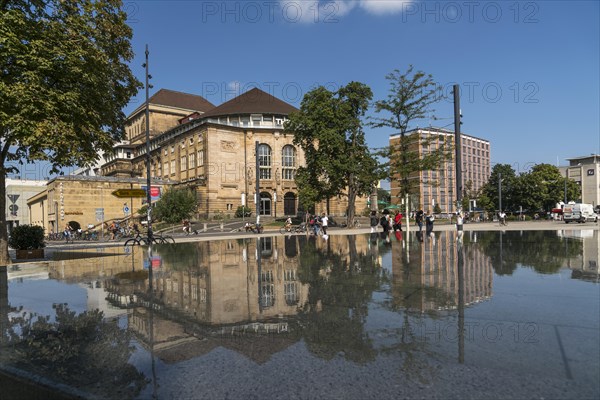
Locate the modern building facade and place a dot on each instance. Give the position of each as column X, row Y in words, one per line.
column 438, row 187
column 585, row 171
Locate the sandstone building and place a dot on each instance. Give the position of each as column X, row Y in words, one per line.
column 212, row 151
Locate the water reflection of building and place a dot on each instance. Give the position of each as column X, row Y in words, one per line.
column 586, row 265
column 93, row 269
column 208, row 294
column 425, row 274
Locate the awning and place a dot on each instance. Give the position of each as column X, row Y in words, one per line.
column 557, row 210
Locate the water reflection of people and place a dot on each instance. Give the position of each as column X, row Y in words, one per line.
column 374, row 236
column 398, row 235
column 419, row 236
column 429, row 218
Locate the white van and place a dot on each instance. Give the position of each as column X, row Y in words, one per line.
column 579, row 213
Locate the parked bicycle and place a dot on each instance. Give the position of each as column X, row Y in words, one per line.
column 293, row 229
column 254, row 228
column 140, row 240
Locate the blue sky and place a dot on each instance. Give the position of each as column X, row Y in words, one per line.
column 529, row 71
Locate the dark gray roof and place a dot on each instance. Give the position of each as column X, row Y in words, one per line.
column 254, row 101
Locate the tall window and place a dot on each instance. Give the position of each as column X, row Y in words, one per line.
column 173, row 167
column 183, row 163
column 192, row 160
column 288, row 157
column 264, row 161
column 200, row 158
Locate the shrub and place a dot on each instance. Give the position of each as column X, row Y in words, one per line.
column 27, row 237
column 243, row 211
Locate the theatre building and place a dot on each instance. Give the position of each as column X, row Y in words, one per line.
column 214, row 152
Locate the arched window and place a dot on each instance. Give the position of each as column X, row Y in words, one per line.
column 264, row 161
column 288, row 158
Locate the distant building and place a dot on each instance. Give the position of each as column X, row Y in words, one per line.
column 585, row 171
column 438, row 187
column 17, row 193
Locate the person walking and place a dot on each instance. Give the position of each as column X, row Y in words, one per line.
column 398, row 222
column 429, row 218
column 419, row 219
column 373, row 221
column 324, row 222
column 384, row 221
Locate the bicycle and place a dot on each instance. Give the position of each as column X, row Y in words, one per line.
column 254, row 228
column 293, row 229
column 139, row 240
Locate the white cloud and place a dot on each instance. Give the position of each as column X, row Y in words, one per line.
column 383, row 7
column 315, row 11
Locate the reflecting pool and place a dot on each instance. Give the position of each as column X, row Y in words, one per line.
column 484, row 315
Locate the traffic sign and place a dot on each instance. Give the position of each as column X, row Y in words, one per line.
column 123, row 193
column 99, row 214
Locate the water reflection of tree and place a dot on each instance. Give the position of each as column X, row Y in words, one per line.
column 408, row 297
column 544, row 251
column 341, row 287
column 180, row 256
column 83, row 351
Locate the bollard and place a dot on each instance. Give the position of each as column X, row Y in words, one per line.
column 221, row 227
column 205, row 227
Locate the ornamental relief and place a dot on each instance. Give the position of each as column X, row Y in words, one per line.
column 228, row 146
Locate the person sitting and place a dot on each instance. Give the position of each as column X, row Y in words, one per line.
column 288, row 223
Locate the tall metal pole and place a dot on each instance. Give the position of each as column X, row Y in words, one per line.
column 257, row 184
column 499, row 191
column 148, row 181
column 566, row 173
column 457, row 148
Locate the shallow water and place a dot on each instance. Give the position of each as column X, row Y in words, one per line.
column 490, row 314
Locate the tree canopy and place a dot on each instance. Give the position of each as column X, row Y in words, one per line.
column 539, row 189
column 175, row 205
column 410, row 98
column 328, row 127
column 64, row 82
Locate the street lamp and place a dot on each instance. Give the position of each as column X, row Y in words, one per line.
column 102, row 206
column 148, row 181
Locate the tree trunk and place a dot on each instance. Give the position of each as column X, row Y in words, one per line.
column 351, row 202
column 4, row 257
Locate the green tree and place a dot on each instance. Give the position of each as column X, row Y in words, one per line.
column 175, row 205
column 410, row 98
column 383, row 196
column 64, row 82
column 328, row 127
column 490, row 194
column 543, row 186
